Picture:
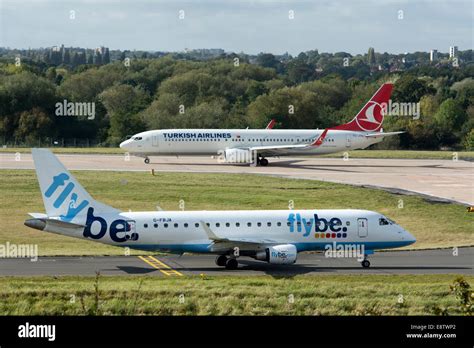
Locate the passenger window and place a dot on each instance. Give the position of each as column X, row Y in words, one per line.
column 196, row 225
column 259, row 224
column 278, row 224
column 145, row 225
column 227, row 224
column 269, row 224
column 249, row 224
column 218, row 224
column 237, row 224
column 166, row 225
column 186, row 225
column 155, row 225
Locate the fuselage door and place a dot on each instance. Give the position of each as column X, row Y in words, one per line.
column 130, row 230
column 362, row 227
column 348, row 140
column 154, row 140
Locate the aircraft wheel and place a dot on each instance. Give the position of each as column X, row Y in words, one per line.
column 231, row 264
column 147, row 160
column 365, row 263
column 264, row 162
column 221, row 260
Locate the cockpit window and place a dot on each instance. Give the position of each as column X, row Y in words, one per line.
column 137, row 138
column 383, row 221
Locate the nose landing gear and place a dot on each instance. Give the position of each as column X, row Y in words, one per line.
column 146, row 160
column 365, row 263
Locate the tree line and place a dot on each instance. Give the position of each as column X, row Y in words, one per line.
column 134, row 95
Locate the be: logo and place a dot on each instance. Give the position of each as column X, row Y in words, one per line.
column 116, row 227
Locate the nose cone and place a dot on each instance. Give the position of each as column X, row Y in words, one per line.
column 408, row 237
column 125, row 144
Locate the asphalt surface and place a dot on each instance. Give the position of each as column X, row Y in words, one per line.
column 393, row 262
column 434, row 179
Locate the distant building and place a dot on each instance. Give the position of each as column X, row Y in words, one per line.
column 453, row 51
column 371, row 56
column 433, row 55
column 101, row 50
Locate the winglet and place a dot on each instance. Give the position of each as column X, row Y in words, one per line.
column 320, row 139
column 271, row 124
column 211, row 235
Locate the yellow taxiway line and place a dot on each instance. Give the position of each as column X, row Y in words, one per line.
column 160, row 265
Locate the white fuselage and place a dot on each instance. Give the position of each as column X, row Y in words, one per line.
column 182, row 231
column 214, row 141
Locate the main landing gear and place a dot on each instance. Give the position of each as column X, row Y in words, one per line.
column 262, row 161
column 228, row 263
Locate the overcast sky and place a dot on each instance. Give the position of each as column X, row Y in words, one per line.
column 240, row 25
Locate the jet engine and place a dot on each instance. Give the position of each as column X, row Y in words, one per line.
column 283, row 254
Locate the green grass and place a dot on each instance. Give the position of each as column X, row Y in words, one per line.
column 389, row 154
column 246, row 295
column 433, row 224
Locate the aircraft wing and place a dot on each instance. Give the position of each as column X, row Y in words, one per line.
column 316, row 143
column 382, row 134
column 257, row 241
column 277, row 147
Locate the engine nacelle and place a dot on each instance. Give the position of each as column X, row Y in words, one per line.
column 238, row 156
column 283, row 254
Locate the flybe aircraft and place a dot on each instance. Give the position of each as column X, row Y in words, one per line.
column 253, row 145
column 274, row 236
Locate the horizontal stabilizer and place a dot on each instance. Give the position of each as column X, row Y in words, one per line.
column 382, row 134
column 40, row 223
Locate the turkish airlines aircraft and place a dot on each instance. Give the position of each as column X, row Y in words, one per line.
column 246, row 145
column 274, row 236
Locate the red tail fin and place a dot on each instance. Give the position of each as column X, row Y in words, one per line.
column 370, row 117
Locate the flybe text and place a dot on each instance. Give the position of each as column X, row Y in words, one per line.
column 67, row 195
column 300, row 224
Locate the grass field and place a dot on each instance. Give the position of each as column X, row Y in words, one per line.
column 433, row 224
column 402, row 154
column 311, row 295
